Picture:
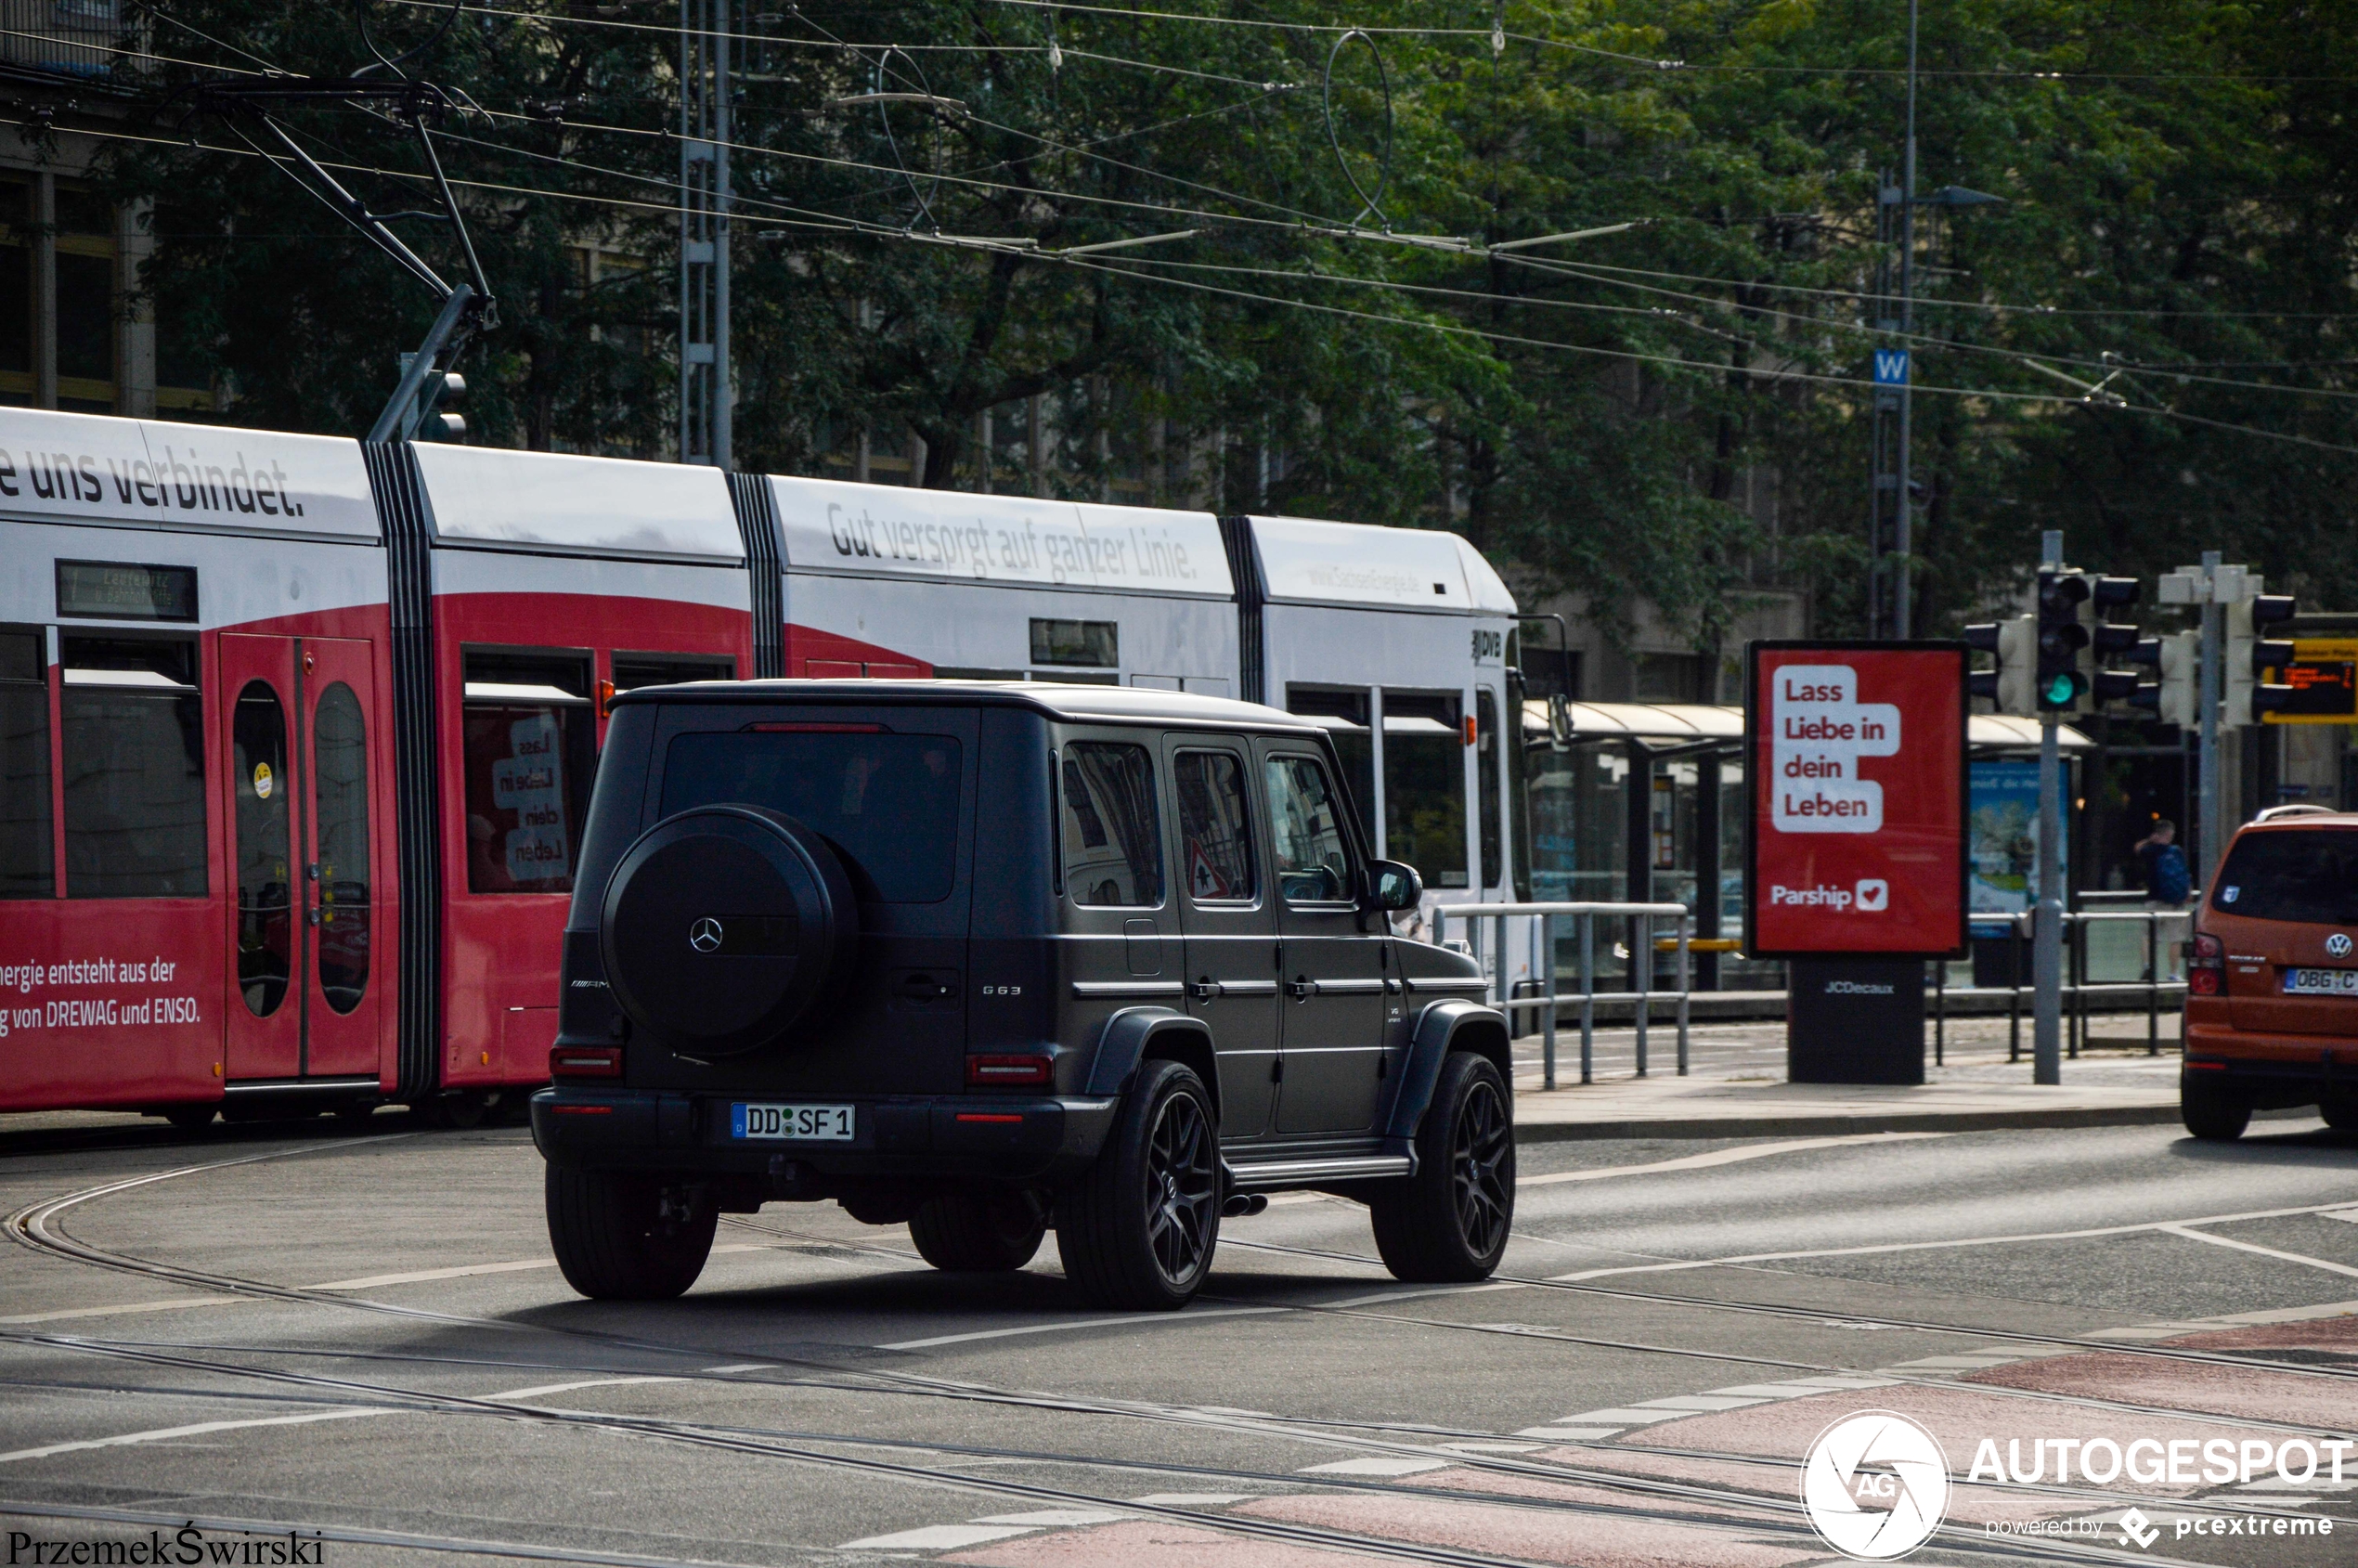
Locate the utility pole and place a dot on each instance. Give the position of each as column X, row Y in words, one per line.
column 1903, row 541
column 705, row 94
column 2213, row 628
column 2046, row 962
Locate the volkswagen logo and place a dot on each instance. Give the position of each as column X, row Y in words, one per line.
column 704, row 935
column 2338, row 944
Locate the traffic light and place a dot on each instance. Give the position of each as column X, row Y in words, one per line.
column 2012, row 685
column 2108, row 640
column 2176, row 697
column 2250, row 657
column 2061, row 637
column 446, row 387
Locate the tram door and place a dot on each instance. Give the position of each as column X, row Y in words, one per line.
column 302, row 897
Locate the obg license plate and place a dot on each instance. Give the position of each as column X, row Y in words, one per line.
column 2321, row 982
column 820, row 1123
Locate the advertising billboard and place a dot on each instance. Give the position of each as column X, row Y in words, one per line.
column 1856, row 774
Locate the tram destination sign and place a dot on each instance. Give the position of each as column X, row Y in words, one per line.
column 1855, row 766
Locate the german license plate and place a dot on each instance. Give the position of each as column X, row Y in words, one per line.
column 818, row 1123
column 2321, row 982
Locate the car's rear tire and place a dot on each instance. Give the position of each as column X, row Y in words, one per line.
column 1449, row 1222
column 190, row 1119
column 2340, row 1112
column 1139, row 1230
column 978, row 1233
column 2212, row 1111
column 616, row 1240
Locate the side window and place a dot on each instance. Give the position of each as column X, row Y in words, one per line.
column 264, row 817
column 1305, row 833
column 27, row 864
column 1215, row 843
column 530, row 746
column 634, row 670
column 132, row 745
column 1486, row 781
column 1112, row 832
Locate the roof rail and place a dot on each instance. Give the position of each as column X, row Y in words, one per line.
column 2299, row 808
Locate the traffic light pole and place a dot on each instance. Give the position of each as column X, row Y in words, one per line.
column 2213, row 632
column 2046, row 965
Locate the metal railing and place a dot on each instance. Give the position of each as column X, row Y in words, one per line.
column 2077, row 989
column 1641, row 919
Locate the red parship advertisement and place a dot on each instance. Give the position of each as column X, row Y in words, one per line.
column 1855, row 769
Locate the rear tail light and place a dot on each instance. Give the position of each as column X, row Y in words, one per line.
column 2206, row 965
column 585, row 1061
column 1002, row 1071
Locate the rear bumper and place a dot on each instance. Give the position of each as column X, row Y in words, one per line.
column 996, row 1138
column 2273, row 1071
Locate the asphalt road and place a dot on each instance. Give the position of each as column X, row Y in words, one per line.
column 294, row 1328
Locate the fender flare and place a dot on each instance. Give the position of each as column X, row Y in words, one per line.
column 1444, row 1027
column 1129, row 1037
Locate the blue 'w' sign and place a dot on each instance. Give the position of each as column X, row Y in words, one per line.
column 1891, row 367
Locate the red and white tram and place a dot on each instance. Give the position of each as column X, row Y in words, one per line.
column 296, row 734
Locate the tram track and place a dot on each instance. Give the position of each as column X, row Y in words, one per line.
column 34, row 1226
column 1786, row 1518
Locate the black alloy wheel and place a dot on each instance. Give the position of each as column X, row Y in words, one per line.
column 1139, row 1230
column 1450, row 1221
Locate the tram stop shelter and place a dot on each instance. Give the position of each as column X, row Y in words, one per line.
column 1640, row 803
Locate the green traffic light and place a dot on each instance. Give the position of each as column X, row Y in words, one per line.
column 2061, row 690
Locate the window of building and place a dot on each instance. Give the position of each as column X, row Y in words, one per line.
column 1112, row 830
column 1424, row 784
column 78, row 321
column 27, row 855
column 1215, row 845
column 530, row 746
column 131, row 738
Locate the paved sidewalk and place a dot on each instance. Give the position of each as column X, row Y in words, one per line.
column 1735, row 1086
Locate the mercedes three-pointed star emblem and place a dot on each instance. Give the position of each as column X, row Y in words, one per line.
column 704, row 935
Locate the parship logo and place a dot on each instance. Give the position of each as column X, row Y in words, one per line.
column 1875, row 1486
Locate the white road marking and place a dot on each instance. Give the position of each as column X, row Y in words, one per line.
column 744, row 1366
column 2349, row 1217
column 1934, row 1246
column 166, row 1435
column 421, row 1275
column 1722, row 1157
column 1138, row 1321
column 2264, row 1251
column 936, row 1538
column 1570, row 1434
column 545, row 1390
column 1038, row 1518
column 127, row 1306
column 1194, row 1500
column 1375, row 1464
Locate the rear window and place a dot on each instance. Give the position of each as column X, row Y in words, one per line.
column 2307, row 876
column 889, row 804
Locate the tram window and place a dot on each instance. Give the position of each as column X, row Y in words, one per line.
column 1215, row 845
column 1112, row 832
column 888, row 803
column 1089, row 645
column 1487, row 784
column 1424, row 784
column 529, row 751
column 27, row 866
column 634, row 670
column 264, row 794
column 1344, row 714
column 340, row 818
column 132, row 745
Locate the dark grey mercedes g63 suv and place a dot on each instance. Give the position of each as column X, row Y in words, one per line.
column 989, row 958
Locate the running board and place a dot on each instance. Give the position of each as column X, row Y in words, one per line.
column 277, row 1086
column 1263, row 1175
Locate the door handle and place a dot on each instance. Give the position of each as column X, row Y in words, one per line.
column 313, row 917
column 1301, row 991
column 1205, row 990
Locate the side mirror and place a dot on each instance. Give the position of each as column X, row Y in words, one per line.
column 1394, row 886
column 1559, row 723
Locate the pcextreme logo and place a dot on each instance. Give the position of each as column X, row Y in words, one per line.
column 1875, row 1486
